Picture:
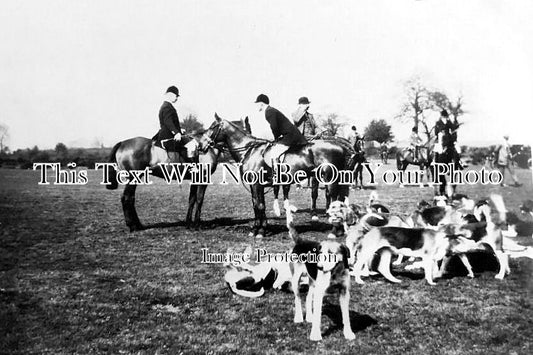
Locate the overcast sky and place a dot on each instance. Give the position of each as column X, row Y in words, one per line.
column 77, row 71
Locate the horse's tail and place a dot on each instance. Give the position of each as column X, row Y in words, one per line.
column 112, row 172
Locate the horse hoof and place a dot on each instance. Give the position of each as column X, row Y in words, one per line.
column 259, row 236
column 314, row 218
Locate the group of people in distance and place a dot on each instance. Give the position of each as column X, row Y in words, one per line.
column 303, row 127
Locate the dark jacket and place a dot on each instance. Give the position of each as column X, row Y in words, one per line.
column 283, row 130
column 169, row 121
column 448, row 129
column 305, row 122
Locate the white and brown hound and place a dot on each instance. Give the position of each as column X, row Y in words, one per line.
column 330, row 268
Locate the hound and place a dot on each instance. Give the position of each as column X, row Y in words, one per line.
column 330, row 268
column 482, row 234
column 429, row 244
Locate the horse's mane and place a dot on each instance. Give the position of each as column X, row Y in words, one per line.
column 237, row 126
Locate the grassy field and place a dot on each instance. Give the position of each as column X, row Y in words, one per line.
column 74, row 280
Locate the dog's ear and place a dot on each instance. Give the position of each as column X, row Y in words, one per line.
column 422, row 205
column 356, row 209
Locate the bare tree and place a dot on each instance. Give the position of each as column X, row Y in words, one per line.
column 440, row 101
column 417, row 103
column 331, row 124
column 4, row 137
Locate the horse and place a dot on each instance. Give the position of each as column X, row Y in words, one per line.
column 404, row 157
column 140, row 153
column 356, row 162
column 448, row 156
column 314, row 182
column 244, row 124
column 254, row 154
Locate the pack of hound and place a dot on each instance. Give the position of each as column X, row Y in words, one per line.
column 433, row 233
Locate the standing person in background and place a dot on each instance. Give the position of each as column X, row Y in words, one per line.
column 504, row 160
column 303, row 119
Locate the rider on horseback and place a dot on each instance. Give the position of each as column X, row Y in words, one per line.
column 356, row 140
column 446, row 132
column 416, row 142
column 285, row 133
column 170, row 134
column 303, row 120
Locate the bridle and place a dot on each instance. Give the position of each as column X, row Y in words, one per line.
column 211, row 141
column 212, row 138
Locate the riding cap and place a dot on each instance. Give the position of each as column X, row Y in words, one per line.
column 354, row 128
column 303, row 101
column 444, row 113
column 262, row 98
column 174, row 90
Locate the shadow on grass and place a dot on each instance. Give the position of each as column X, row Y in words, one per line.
column 216, row 222
column 480, row 262
column 274, row 229
column 319, row 211
column 243, row 225
column 358, row 321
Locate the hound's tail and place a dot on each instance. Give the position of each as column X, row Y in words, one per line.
column 290, row 223
column 497, row 200
column 112, row 172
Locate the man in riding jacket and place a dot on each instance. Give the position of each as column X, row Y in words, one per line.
column 303, row 120
column 170, row 134
column 446, row 132
column 285, row 133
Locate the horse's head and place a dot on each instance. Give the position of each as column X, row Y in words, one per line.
column 221, row 131
column 213, row 135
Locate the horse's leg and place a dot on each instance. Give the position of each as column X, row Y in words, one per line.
column 275, row 205
column 200, row 194
column 314, row 197
column 262, row 221
column 258, row 199
column 128, row 206
column 192, row 202
column 253, row 191
column 286, row 189
column 359, row 176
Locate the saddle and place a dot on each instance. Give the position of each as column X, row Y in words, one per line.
column 187, row 149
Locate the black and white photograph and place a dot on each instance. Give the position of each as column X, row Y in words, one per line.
column 266, row 177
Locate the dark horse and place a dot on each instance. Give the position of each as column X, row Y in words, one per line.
column 405, row 157
column 254, row 153
column 140, row 153
column 448, row 156
column 314, row 182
